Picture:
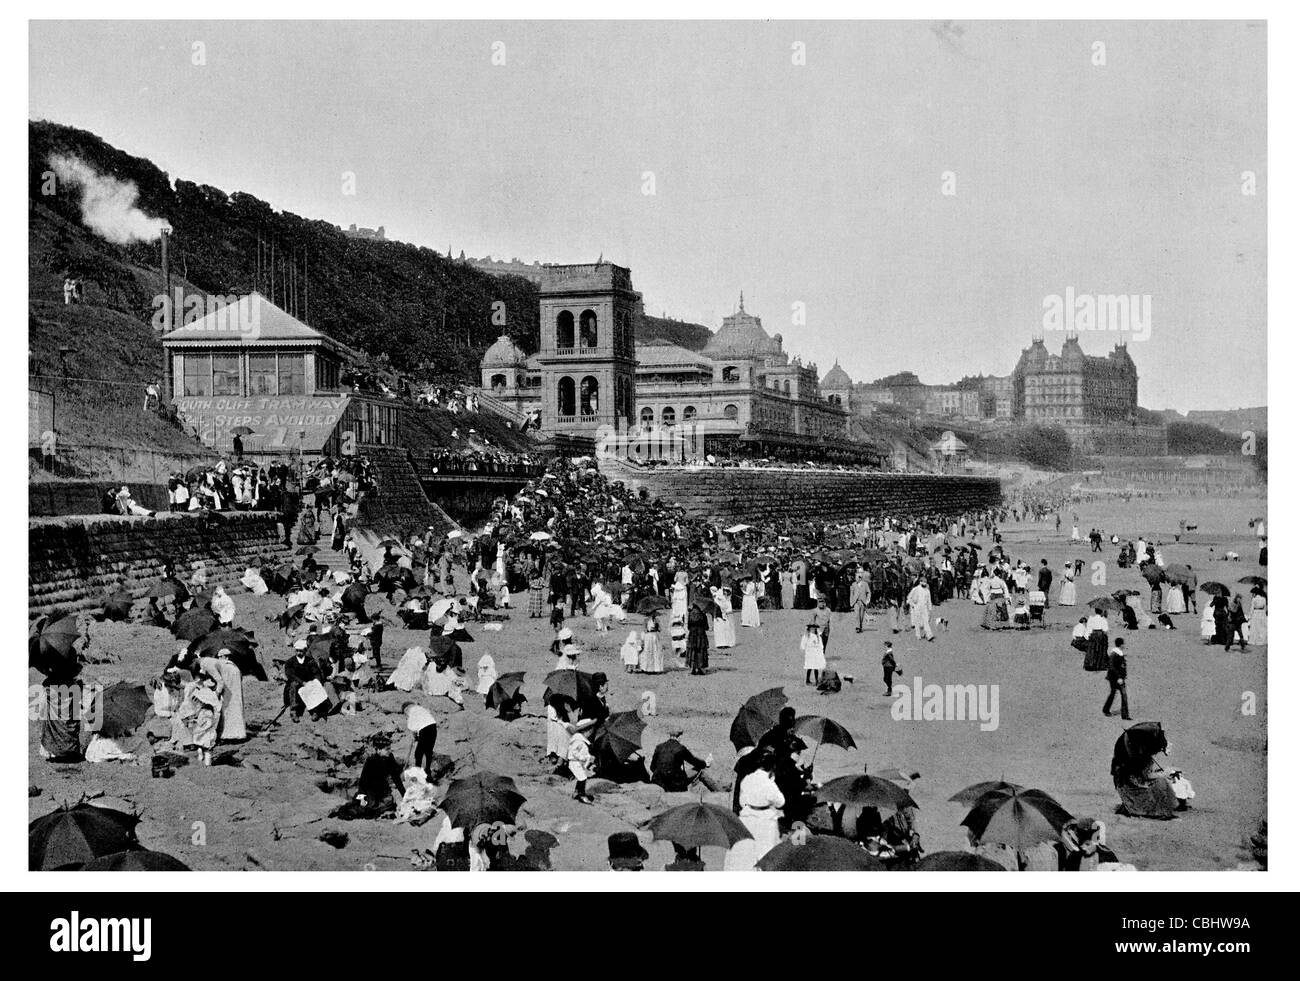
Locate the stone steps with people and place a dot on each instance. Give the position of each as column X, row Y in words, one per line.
column 758, row 495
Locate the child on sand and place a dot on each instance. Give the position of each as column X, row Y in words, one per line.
column 890, row 668
column 814, row 657
column 581, row 762
column 631, row 652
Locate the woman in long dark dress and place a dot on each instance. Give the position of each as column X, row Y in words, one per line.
column 697, row 640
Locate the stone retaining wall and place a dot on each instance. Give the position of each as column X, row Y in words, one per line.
column 758, row 496
column 73, row 561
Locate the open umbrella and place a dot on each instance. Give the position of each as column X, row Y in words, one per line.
column 51, row 645
column 194, row 623
column 571, row 683
column 169, row 588
column 120, row 708
column 443, row 649
column 117, row 606
column 756, row 716
column 865, row 790
column 957, row 862
column 1153, row 574
column 1180, row 573
column 482, row 799
column 1215, row 589
column 306, row 550
column 652, row 604
column 505, row 689
column 1144, row 739
column 621, row 734
column 242, row 431
column 240, row 643
column 698, row 825
column 1018, row 818
column 706, row 605
column 977, row 790
column 71, row 836
column 821, row 853
column 823, row 730
column 1259, row 581
column 736, row 529
column 292, row 616
column 1106, row 604
column 137, row 861
column 540, row 536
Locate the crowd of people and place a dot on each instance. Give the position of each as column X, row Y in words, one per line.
column 573, row 544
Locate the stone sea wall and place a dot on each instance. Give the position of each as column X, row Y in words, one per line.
column 755, row 496
column 73, row 561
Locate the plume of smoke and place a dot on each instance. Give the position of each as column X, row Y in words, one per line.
column 108, row 205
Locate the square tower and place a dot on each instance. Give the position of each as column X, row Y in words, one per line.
column 588, row 347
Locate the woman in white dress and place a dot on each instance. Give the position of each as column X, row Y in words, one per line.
column 1207, row 622
column 724, row 625
column 602, row 607
column 557, row 728
column 814, row 654
column 652, row 653
column 1258, row 618
column 1174, row 598
column 760, row 803
column 1067, row 596
column 679, row 601
column 487, row 674
column 749, row 606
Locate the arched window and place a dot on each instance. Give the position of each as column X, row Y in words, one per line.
column 786, row 387
column 731, row 412
column 564, row 329
column 498, row 381
column 647, row 417
column 688, row 413
column 567, row 401
column 587, row 328
column 669, row 416
column 834, row 400
column 589, row 400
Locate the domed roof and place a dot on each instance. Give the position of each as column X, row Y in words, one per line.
column 503, row 354
column 837, row 378
column 742, row 336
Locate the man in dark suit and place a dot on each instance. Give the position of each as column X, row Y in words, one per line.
column 1045, row 581
column 1117, row 676
column 669, row 762
column 298, row 671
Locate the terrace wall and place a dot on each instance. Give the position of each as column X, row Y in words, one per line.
column 758, row 496
column 73, row 561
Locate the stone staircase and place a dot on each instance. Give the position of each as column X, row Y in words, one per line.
column 398, row 506
column 744, row 495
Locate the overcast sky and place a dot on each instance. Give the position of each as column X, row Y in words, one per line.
column 817, row 184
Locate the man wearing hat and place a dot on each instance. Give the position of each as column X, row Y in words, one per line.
column 668, row 765
column 298, row 671
column 822, row 617
column 860, row 596
column 626, row 853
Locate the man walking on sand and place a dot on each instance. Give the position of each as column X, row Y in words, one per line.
column 860, row 596
column 1117, row 677
column 918, row 603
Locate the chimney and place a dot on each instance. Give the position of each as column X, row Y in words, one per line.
column 169, row 314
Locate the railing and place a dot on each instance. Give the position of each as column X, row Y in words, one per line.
column 565, row 420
